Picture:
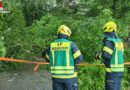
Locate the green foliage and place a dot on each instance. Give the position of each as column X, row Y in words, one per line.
column 89, row 40
column 91, row 77
column 12, row 27
column 32, row 25
column 126, row 78
column 127, row 54
column 33, row 10
column 41, row 33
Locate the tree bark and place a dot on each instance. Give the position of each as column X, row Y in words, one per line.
column 114, row 5
column 65, row 3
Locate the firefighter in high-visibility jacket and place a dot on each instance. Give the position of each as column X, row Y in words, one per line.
column 63, row 55
column 112, row 56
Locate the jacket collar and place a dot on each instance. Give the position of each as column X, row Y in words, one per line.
column 111, row 35
column 62, row 36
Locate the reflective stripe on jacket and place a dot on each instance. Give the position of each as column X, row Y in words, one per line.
column 62, row 59
column 117, row 60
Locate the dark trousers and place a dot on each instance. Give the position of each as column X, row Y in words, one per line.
column 65, row 84
column 113, row 80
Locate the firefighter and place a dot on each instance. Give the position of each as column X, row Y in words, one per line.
column 112, row 56
column 63, row 55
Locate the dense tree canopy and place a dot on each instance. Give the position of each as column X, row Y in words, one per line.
column 32, row 24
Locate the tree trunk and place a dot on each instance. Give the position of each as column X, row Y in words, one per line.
column 114, row 5
column 65, row 3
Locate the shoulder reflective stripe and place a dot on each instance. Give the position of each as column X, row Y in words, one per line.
column 67, row 72
column 63, row 67
column 77, row 54
column 47, row 56
column 110, row 51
